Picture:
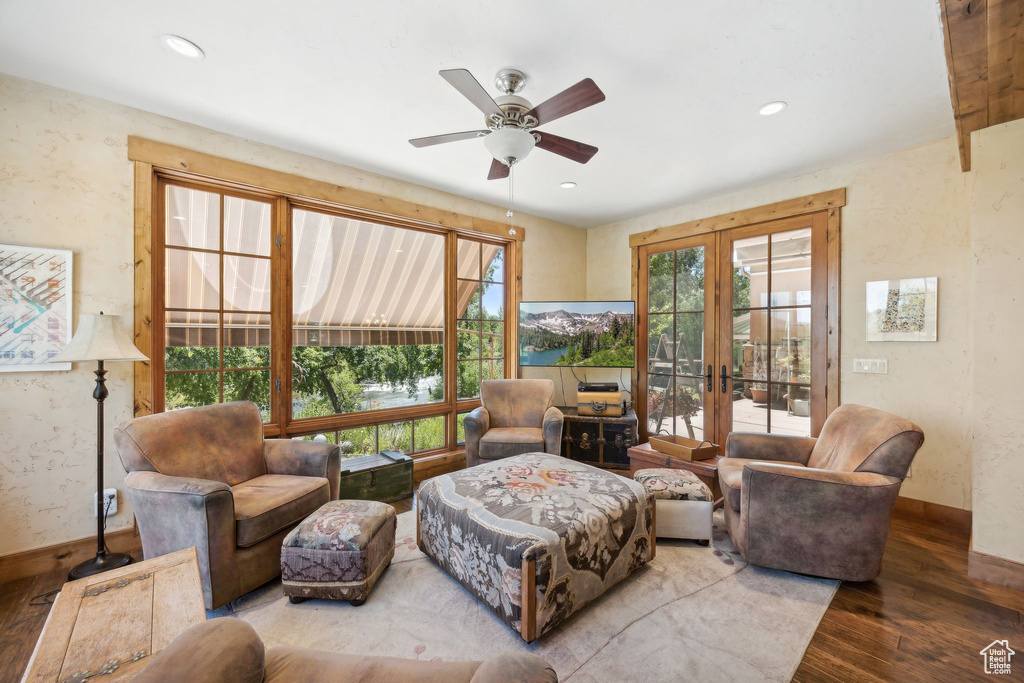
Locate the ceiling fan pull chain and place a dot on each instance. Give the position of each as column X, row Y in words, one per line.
column 510, row 213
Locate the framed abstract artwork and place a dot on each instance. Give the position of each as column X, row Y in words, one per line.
column 903, row 310
column 35, row 307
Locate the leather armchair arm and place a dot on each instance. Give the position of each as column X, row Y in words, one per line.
column 175, row 513
column 477, row 423
column 815, row 521
column 304, row 459
column 772, row 447
column 515, row 666
column 552, row 426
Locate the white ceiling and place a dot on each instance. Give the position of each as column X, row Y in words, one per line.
column 352, row 81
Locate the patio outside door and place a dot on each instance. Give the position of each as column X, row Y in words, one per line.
column 734, row 325
column 679, row 329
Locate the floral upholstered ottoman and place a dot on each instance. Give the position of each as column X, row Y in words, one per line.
column 339, row 551
column 684, row 504
column 535, row 537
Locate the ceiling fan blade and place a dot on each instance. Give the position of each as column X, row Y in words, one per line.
column 498, row 170
column 580, row 96
column 471, row 89
column 448, row 137
column 579, row 152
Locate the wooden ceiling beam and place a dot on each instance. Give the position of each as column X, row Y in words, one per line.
column 984, row 43
column 1005, row 61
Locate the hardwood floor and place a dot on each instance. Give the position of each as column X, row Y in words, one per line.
column 922, row 619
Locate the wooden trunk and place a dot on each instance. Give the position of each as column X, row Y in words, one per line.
column 385, row 477
column 602, row 441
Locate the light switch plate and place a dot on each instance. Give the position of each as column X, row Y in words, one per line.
column 874, row 366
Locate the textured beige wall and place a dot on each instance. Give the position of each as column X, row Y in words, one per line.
column 998, row 247
column 65, row 182
column 907, row 215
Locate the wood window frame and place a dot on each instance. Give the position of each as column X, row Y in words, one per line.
column 156, row 163
column 828, row 204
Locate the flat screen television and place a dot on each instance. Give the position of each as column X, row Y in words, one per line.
column 594, row 334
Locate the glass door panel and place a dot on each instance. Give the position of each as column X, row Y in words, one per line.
column 771, row 368
column 679, row 327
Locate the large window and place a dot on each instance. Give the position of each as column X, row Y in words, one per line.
column 216, row 296
column 367, row 315
column 369, row 333
column 481, row 306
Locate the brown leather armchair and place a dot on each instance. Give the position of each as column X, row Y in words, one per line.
column 205, row 477
column 229, row 649
column 517, row 416
column 818, row 506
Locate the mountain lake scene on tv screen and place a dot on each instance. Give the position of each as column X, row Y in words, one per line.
column 594, row 334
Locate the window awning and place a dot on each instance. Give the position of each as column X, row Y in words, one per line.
column 353, row 282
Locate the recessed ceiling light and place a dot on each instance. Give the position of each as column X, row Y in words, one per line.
column 771, row 108
column 182, row 46
column 568, row 185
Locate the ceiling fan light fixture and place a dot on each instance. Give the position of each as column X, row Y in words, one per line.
column 507, row 144
column 772, row 108
column 182, row 46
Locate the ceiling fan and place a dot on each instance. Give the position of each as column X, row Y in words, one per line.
column 511, row 119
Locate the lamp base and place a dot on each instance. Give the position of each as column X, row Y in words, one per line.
column 101, row 563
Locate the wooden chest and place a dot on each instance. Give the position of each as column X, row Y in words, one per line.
column 385, row 477
column 106, row 627
column 602, row 441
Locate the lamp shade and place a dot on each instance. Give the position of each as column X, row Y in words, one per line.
column 99, row 337
column 509, row 143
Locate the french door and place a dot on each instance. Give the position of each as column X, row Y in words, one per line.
column 733, row 328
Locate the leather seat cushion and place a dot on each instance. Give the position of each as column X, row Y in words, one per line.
column 730, row 478
column 504, row 442
column 272, row 502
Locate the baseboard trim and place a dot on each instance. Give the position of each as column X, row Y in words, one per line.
column 995, row 569
column 934, row 512
column 65, row 555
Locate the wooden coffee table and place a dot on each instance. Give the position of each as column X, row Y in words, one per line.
column 107, row 626
column 644, row 456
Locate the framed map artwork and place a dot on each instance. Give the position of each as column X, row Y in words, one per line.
column 35, row 307
column 903, row 310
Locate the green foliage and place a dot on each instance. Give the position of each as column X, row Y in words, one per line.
column 327, row 379
column 595, row 349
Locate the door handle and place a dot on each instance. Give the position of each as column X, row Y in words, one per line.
column 708, row 376
column 725, row 377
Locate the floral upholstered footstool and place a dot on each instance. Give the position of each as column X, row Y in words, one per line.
column 339, row 551
column 535, row 537
column 683, row 503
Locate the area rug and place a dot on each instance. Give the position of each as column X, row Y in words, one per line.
column 695, row 613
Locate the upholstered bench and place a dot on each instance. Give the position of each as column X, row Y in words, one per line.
column 339, row 551
column 684, row 503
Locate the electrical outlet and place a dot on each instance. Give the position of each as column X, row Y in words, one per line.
column 109, row 502
column 874, row 366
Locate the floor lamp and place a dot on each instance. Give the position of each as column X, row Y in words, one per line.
column 100, row 338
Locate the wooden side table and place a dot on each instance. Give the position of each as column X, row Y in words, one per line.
column 643, row 456
column 107, row 625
